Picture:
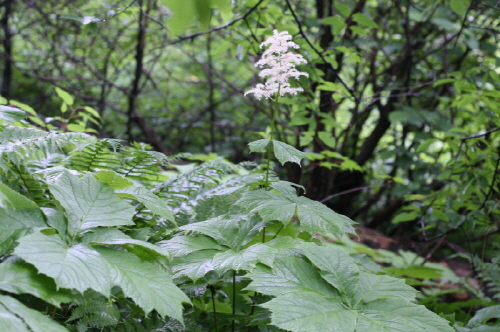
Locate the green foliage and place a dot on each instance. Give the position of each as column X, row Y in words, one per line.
column 243, row 256
column 399, row 120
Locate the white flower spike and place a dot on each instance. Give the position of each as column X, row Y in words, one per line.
column 279, row 65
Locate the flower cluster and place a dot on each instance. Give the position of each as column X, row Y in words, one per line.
column 279, row 65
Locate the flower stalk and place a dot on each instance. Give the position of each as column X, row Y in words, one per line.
column 278, row 66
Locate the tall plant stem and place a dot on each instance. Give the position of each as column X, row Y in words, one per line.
column 271, row 137
column 234, row 300
column 213, row 307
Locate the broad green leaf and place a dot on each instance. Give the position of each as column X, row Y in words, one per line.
column 285, row 153
column 113, row 179
column 328, row 139
column 415, row 271
column 245, row 259
column 445, row 24
column 76, row 266
column 288, row 275
column 66, row 97
column 115, row 237
column 337, row 267
column 182, row 245
column 18, row 216
column 56, row 220
column 24, row 107
column 194, row 265
column 19, row 277
column 483, row 315
column 360, row 31
column 307, row 310
column 285, row 245
column 443, row 81
column 336, row 22
column 10, row 114
column 14, row 316
column 90, row 204
column 396, row 315
column 150, row 201
column 343, row 9
column 148, row 286
column 405, row 216
column 364, row 20
column 92, row 111
column 9, row 321
column 259, row 145
column 232, row 231
column 183, row 14
column 459, row 6
column 372, row 287
column 313, row 216
column 269, row 205
column 311, row 312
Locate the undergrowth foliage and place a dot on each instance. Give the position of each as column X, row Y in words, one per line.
column 95, row 236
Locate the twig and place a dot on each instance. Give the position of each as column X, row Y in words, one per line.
column 302, row 33
column 480, row 135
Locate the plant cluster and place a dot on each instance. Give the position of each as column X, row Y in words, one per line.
column 98, row 236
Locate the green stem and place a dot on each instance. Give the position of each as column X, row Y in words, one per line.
column 279, row 230
column 271, row 136
column 213, row 307
column 234, row 301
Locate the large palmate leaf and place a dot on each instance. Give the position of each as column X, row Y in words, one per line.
column 313, row 216
column 288, row 275
column 149, row 199
column 232, row 231
column 19, row 277
column 283, row 152
column 311, row 312
column 18, row 216
column 485, row 320
column 182, row 245
column 113, row 179
column 115, row 237
column 194, row 265
column 244, row 259
column 336, row 266
column 9, row 114
column 148, row 286
column 16, row 317
column 76, row 266
column 88, row 203
column 367, row 302
column 213, row 256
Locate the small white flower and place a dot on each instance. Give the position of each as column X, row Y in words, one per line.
column 279, row 65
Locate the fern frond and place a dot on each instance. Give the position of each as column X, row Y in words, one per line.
column 205, row 191
column 94, row 311
column 142, row 165
column 490, row 275
column 96, row 155
column 20, row 142
column 27, row 182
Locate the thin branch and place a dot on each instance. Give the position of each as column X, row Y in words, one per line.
column 320, row 54
column 480, row 135
column 463, row 22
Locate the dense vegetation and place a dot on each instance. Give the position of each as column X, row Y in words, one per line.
column 129, row 200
